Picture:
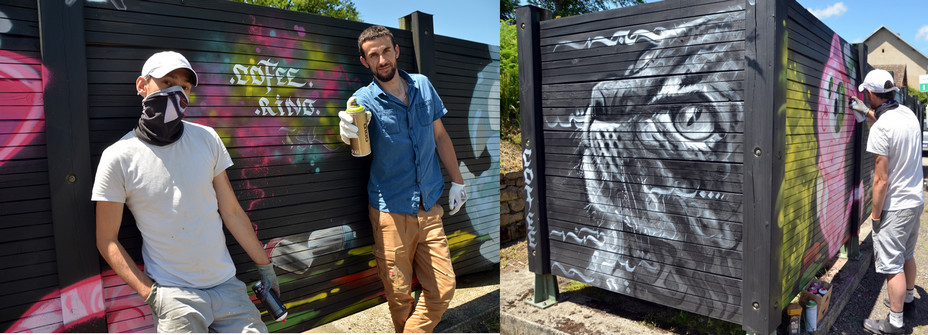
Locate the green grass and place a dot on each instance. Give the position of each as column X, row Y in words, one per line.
column 492, row 324
column 575, row 286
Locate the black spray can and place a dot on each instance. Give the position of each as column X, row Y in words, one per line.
column 271, row 301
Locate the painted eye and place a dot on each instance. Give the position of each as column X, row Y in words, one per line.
column 694, row 123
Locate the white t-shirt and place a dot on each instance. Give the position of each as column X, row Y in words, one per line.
column 169, row 191
column 897, row 136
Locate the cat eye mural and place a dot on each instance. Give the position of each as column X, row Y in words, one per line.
column 645, row 119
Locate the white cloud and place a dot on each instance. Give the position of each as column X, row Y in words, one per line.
column 922, row 33
column 834, row 10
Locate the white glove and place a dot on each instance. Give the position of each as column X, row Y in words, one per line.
column 347, row 129
column 456, row 197
column 860, row 109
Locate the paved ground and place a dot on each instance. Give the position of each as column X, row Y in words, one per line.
column 866, row 301
column 474, row 309
column 858, row 293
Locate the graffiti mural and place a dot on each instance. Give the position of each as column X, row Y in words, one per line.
column 271, row 83
column 657, row 125
column 642, row 136
column 818, row 188
column 483, row 119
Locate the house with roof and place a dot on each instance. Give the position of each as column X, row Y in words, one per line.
column 888, row 51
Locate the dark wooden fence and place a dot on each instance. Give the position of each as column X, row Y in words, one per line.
column 698, row 155
column 271, row 83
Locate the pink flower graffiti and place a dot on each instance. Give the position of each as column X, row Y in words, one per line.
column 23, row 116
column 834, row 129
column 95, row 298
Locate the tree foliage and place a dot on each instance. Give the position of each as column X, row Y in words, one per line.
column 565, row 8
column 342, row 9
column 508, row 75
column 507, row 9
column 509, row 56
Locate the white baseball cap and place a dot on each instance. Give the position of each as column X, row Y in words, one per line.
column 160, row 64
column 878, row 81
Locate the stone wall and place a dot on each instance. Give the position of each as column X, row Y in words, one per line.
column 511, row 206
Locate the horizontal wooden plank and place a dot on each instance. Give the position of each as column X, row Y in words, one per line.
column 639, row 14
column 688, row 302
column 696, row 33
column 655, row 177
column 723, row 223
column 584, row 241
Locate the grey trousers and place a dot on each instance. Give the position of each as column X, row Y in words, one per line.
column 224, row 308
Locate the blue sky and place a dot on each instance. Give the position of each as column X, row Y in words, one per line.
column 475, row 20
column 855, row 20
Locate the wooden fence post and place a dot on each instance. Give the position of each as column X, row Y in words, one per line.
column 539, row 260
column 423, row 40
column 764, row 106
column 851, row 249
column 61, row 27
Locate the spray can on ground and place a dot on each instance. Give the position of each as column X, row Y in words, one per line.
column 811, row 316
column 271, row 301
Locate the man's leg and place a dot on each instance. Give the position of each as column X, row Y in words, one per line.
column 895, row 284
column 435, row 273
column 911, row 270
column 891, row 242
column 394, row 235
column 234, row 312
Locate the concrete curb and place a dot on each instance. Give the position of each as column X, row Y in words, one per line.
column 513, row 325
column 473, row 320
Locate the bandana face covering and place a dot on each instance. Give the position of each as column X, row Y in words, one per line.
column 885, row 107
column 162, row 112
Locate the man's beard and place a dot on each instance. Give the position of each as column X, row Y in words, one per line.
column 387, row 77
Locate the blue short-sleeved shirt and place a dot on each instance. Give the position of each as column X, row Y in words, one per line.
column 405, row 169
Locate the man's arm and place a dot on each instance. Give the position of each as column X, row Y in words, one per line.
column 446, row 152
column 880, row 185
column 109, row 217
column 238, row 223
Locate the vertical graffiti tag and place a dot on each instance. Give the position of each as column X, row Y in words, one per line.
column 529, row 177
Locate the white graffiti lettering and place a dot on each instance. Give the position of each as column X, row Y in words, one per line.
column 289, row 108
column 264, row 73
column 529, row 177
column 269, row 74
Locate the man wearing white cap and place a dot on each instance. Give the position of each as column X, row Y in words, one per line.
column 171, row 175
column 898, row 198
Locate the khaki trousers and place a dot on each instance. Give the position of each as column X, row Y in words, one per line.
column 403, row 243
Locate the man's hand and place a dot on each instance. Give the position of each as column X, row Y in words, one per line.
column 860, row 109
column 456, row 197
column 268, row 277
column 347, row 129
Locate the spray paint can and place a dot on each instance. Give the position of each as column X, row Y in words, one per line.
column 811, row 316
column 271, row 301
column 360, row 146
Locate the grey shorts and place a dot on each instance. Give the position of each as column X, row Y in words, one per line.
column 895, row 239
column 224, row 308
